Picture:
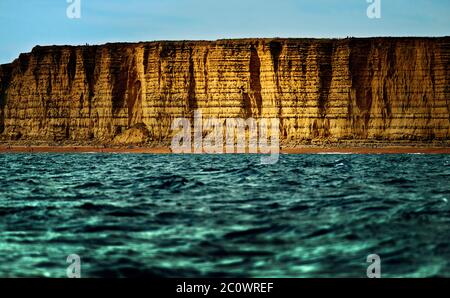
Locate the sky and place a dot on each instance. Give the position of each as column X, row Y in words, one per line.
column 26, row 23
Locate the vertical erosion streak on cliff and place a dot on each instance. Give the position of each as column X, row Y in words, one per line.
column 118, row 70
column 145, row 59
column 255, row 79
column 391, row 66
column 445, row 58
column 39, row 70
column 134, row 90
column 24, row 61
column 5, row 74
column 91, row 74
column 72, row 66
column 325, row 53
column 192, row 100
column 2, row 111
column 165, row 66
column 361, row 78
column 205, row 71
column 275, row 51
column 125, row 68
column 37, row 65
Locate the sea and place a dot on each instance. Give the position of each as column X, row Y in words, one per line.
column 145, row 215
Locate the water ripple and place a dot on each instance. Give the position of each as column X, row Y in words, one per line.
column 224, row 215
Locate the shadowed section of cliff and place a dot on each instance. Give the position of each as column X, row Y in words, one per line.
column 322, row 90
column 5, row 74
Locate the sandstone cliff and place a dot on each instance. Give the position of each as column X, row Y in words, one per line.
column 322, row 90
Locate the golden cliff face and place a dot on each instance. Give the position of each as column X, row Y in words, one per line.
column 324, row 91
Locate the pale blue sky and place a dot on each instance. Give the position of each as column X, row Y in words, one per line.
column 26, row 23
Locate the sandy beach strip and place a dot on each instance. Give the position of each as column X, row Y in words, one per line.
column 166, row 150
column 357, row 150
column 82, row 149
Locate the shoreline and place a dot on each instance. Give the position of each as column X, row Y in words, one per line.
column 166, row 150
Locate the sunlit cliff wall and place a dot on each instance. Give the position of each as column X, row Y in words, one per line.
column 322, row 90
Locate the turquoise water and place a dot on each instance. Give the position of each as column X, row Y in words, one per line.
column 131, row 215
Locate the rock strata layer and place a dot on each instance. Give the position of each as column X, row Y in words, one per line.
column 323, row 90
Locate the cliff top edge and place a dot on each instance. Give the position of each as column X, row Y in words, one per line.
column 40, row 48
